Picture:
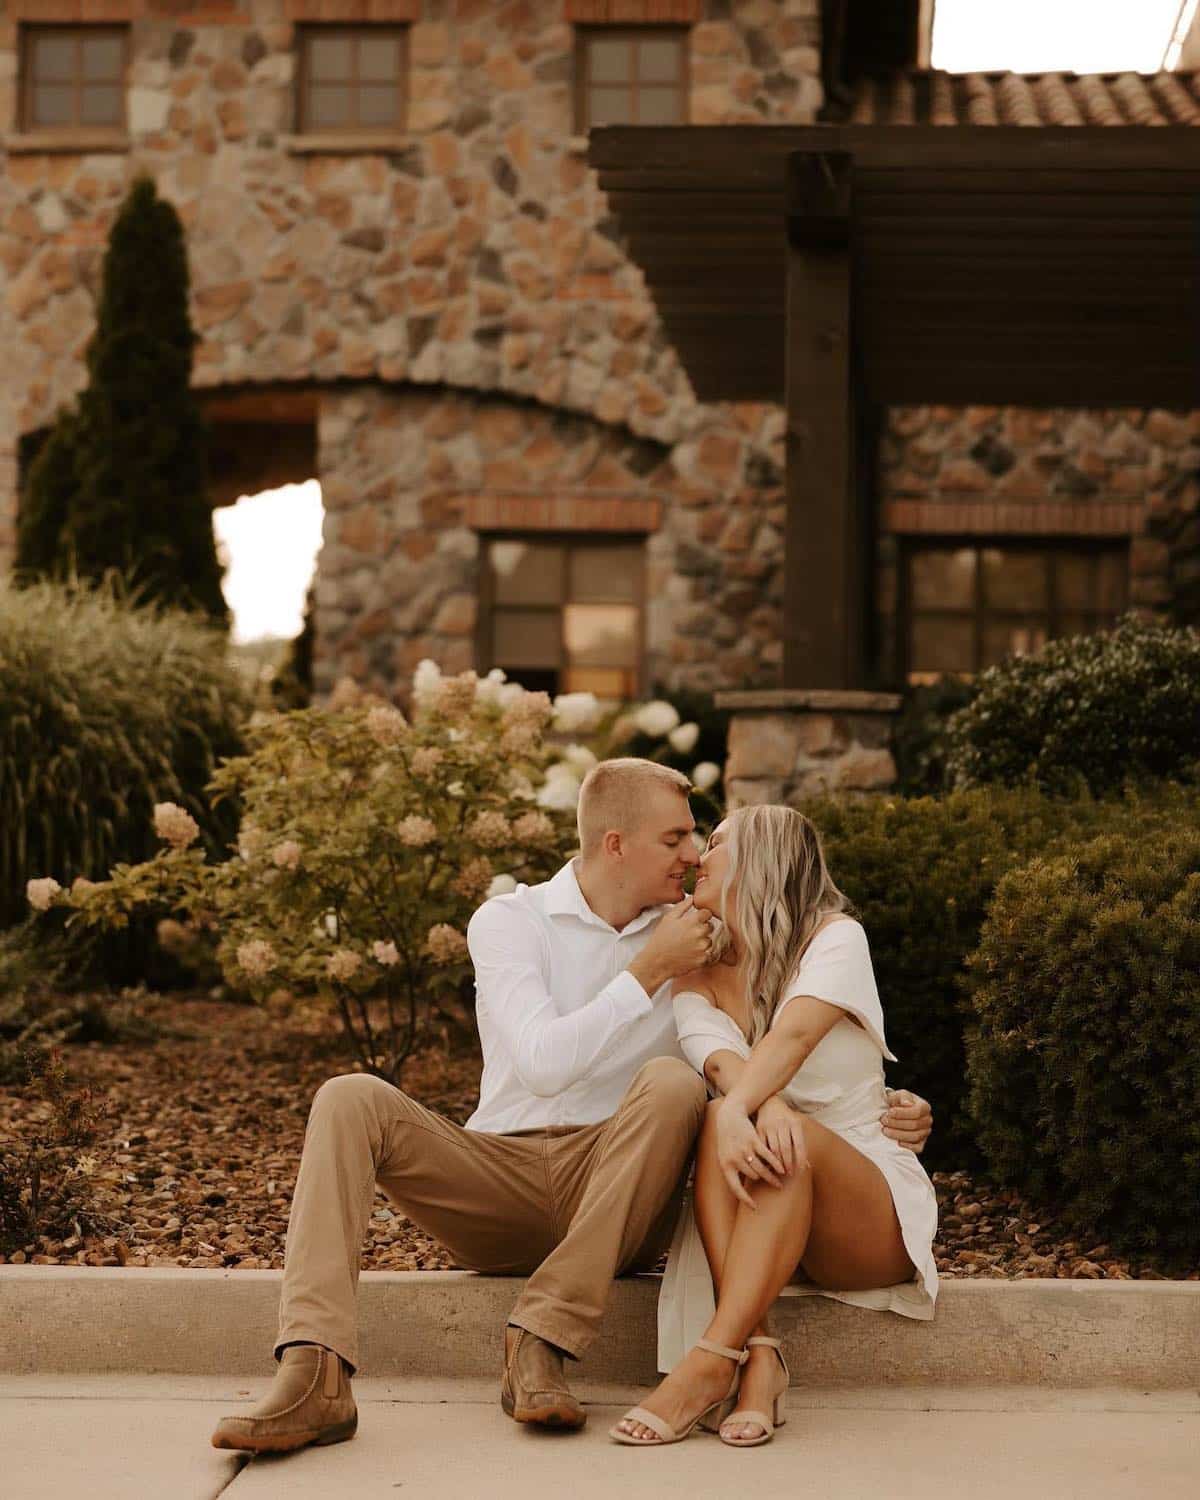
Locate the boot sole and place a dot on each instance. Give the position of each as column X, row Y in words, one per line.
column 288, row 1442
column 563, row 1416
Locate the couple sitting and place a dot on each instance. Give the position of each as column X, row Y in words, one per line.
column 610, row 1006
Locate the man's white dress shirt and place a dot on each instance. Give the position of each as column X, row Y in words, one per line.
column 564, row 1028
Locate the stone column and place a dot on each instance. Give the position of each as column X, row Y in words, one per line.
column 786, row 744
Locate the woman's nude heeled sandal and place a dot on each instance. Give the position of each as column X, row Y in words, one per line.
column 760, row 1418
column 666, row 1433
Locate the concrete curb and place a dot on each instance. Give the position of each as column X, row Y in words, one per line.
column 446, row 1324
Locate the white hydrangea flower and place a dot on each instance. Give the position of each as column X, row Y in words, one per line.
column 488, row 689
column 41, row 893
column 683, row 739
column 385, row 954
column 286, row 855
column 706, row 774
column 445, row 944
column 416, row 832
column 576, row 713
column 510, row 693
column 343, row 965
column 385, row 724
column 174, row 825
column 579, row 758
column 256, row 958
column 502, row 885
column 656, row 718
column 559, row 792
column 426, row 683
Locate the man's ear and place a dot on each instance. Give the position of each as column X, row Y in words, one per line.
column 613, row 844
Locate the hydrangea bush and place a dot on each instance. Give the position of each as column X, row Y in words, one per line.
column 367, row 839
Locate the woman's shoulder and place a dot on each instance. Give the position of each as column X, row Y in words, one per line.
column 838, row 930
column 695, row 983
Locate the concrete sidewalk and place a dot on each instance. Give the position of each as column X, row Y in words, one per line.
column 146, row 1438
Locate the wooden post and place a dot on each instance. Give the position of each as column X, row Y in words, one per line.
column 824, row 630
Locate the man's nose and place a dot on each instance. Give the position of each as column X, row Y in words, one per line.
column 691, row 855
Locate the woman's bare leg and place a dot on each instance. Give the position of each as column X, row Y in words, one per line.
column 834, row 1218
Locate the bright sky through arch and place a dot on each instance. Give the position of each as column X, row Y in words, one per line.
column 270, row 543
column 1066, row 36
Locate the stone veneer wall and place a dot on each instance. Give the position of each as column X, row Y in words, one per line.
column 998, row 472
column 406, row 469
column 474, row 257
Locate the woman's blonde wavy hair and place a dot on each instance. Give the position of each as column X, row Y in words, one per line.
column 781, row 892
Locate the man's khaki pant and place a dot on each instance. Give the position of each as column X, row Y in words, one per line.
column 570, row 1207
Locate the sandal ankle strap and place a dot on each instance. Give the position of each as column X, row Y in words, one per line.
column 739, row 1356
column 768, row 1343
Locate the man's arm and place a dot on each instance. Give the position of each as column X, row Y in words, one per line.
column 549, row 1051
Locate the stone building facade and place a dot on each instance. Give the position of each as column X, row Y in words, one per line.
column 444, row 306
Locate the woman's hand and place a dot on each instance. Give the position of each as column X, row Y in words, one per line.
column 780, row 1129
column 741, row 1152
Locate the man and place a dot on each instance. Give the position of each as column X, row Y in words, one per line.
column 570, row 1171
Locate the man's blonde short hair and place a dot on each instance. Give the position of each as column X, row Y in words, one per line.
column 614, row 795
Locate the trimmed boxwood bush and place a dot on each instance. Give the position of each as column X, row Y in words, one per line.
column 1099, row 711
column 1084, row 1060
column 921, row 873
column 105, row 709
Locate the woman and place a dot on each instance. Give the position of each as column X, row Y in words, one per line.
column 794, row 1176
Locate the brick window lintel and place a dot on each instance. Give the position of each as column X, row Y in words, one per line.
column 353, row 11
column 562, row 513
column 1067, row 518
column 633, row 12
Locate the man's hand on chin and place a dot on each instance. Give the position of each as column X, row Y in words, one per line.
column 907, row 1119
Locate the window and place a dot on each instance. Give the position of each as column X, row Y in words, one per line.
column 352, row 78
column 631, row 76
column 564, row 616
column 73, row 77
column 970, row 606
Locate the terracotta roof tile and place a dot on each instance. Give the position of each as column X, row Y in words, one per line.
column 918, row 97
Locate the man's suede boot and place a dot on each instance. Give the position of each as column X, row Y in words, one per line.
column 309, row 1402
column 534, row 1388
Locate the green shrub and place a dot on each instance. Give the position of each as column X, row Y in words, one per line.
column 1084, row 1060
column 50, row 1184
column 919, row 741
column 921, row 873
column 1100, row 711
column 105, row 709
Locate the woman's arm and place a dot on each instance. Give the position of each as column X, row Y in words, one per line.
column 776, row 1057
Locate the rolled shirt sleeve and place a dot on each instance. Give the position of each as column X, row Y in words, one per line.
column 549, row 1052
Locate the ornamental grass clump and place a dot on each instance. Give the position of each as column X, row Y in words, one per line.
column 1084, row 1059
column 366, row 842
column 106, row 708
column 1094, row 711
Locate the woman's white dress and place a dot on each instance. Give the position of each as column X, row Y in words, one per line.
column 839, row 1084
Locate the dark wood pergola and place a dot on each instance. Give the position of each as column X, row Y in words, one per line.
column 841, row 269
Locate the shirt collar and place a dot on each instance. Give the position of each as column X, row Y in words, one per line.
column 565, row 899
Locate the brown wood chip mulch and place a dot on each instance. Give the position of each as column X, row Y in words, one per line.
column 201, row 1146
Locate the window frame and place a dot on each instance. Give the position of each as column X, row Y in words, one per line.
column 306, row 32
column 486, row 592
column 29, row 33
column 585, row 34
column 1051, row 548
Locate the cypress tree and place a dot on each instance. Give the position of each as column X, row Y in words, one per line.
column 50, row 488
column 136, row 452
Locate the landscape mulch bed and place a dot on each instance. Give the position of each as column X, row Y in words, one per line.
column 200, row 1150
